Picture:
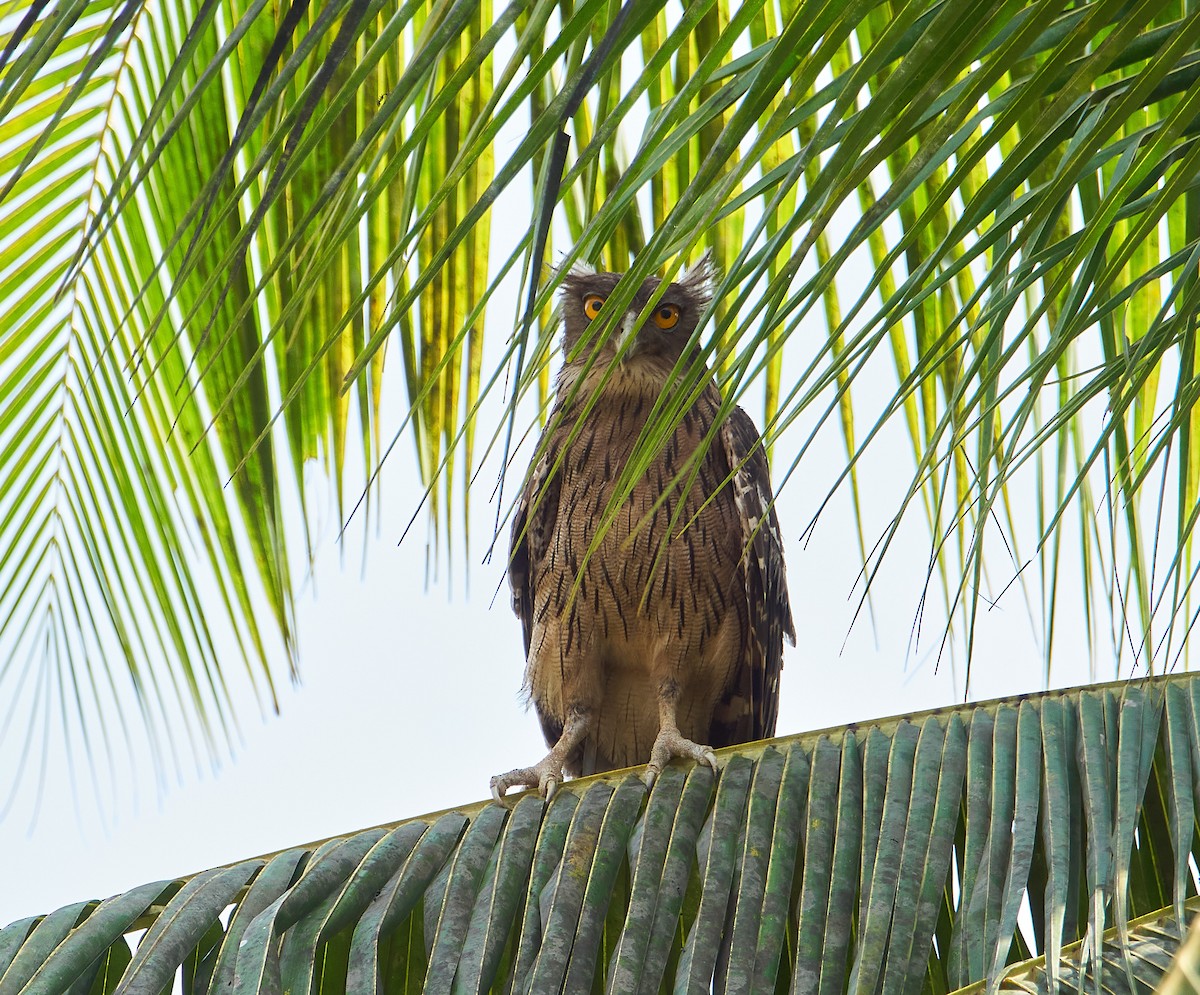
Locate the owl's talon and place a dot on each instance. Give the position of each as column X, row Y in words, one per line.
column 545, row 776
column 670, row 743
column 513, row 779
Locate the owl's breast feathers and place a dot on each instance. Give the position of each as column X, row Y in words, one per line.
column 673, row 563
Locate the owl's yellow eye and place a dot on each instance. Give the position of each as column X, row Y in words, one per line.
column 666, row 315
column 592, row 305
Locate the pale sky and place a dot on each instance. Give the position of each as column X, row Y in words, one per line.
column 410, row 701
column 410, row 695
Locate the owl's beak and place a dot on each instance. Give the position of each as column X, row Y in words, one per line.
column 628, row 333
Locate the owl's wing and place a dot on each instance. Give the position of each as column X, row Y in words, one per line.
column 751, row 703
column 532, row 529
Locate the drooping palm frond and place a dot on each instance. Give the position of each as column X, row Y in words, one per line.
column 214, row 215
column 896, row 857
column 1153, row 946
column 1183, row 975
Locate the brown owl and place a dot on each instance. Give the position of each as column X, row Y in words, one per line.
column 669, row 642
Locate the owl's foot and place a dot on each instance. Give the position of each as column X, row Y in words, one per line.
column 670, row 743
column 546, row 776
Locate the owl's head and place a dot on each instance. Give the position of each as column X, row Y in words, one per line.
column 665, row 335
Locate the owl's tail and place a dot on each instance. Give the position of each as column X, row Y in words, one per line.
column 589, row 760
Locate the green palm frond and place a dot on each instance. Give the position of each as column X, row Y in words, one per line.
column 215, row 214
column 898, row 856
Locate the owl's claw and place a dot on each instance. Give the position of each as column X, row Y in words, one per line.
column 670, row 743
column 546, row 776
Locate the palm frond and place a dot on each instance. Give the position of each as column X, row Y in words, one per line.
column 215, row 218
column 1154, row 947
column 895, row 856
column 112, row 524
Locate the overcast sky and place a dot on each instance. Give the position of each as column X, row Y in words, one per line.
column 410, row 695
column 410, row 702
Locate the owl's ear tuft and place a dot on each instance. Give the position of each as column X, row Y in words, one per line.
column 700, row 278
column 578, row 269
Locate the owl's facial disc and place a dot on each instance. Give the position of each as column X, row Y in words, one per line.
column 662, row 334
column 592, row 304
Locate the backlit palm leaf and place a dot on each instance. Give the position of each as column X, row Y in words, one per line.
column 214, row 213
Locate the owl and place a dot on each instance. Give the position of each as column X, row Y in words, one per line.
column 666, row 639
